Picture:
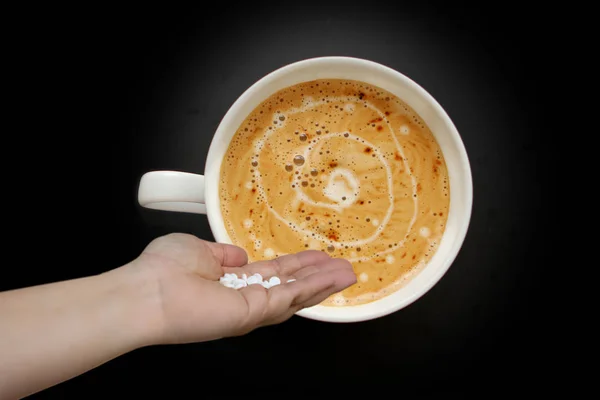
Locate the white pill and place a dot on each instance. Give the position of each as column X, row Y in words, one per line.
column 240, row 282
column 253, row 280
column 274, row 281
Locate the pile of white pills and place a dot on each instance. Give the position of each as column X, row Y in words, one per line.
column 234, row 282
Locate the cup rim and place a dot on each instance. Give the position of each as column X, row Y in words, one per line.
column 373, row 309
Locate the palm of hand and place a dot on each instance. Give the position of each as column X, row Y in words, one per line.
column 196, row 307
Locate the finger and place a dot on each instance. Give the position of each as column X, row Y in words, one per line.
column 264, row 268
column 339, row 284
column 319, row 298
column 334, row 263
column 228, row 255
column 287, row 314
column 256, row 298
column 284, row 265
column 290, row 297
column 327, row 282
column 290, row 263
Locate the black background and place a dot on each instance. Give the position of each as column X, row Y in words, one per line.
column 103, row 95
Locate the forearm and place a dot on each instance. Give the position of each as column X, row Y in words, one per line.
column 53, row 332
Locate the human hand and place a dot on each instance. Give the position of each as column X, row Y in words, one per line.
column 194, row 306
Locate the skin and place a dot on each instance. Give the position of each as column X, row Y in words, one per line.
column 170, row 294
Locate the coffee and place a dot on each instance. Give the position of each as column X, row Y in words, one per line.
column 339, row 166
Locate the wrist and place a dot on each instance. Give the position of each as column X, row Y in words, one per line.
column 137, row 295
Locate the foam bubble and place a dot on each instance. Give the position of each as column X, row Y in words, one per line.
column 425, row 231
column 405, row 130
column 390, row 259
column 248, row 223
column 257, row 244
column 363, row 277
column 269, row 253
column 349, row 107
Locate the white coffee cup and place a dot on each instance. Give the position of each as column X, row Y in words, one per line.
column 194, row 193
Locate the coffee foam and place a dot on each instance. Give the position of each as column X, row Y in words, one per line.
column 342, row 196
column 351, row 189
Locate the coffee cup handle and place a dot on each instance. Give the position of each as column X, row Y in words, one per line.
column 172, row 191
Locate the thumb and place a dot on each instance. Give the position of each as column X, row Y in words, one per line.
column 228, row 255
column 223, row 255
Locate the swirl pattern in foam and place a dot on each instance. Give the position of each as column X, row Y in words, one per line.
column 340, row 166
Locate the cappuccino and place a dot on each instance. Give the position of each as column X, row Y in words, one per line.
column 339, row 166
